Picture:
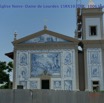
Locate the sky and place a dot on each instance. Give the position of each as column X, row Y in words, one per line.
column 19, row 16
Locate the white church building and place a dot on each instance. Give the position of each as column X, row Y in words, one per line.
column 49, row 60
column 46, row 60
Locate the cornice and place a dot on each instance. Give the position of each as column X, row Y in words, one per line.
column 92, row 41
column 34, row 35
column 45, row 46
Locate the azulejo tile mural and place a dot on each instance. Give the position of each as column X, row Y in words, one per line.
column 45, row 39
column 94, row 57
column 33, row 84
column 94, row 65
column 68, row 71
column 45, row 62
column 23, row 59
column 57, row 84
column 68, row 58
column 68, row 84
column 94, row 62
column 58, row 65
column 95, row 71
column 23, row 75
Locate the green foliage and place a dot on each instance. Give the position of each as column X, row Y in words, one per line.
column 5, row 69
column 7, row 85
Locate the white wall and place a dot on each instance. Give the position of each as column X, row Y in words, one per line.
column 94, row 67
column 92, row 22
column 66, row 79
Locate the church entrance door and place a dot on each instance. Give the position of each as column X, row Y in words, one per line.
column 45, row 84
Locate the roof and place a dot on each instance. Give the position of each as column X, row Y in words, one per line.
column 45, row 31
column 39, row 33
column 10, row 55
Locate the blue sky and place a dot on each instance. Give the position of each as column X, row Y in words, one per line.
column 26, row 21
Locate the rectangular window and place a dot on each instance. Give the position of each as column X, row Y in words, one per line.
column 95, row 86
column 93, row 30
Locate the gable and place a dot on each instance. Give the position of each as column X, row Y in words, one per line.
column 45, row 38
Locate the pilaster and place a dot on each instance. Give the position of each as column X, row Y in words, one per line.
column 85, row 67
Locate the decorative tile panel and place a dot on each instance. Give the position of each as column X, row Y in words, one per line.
column 67, row 71
column 95, row 71
column 59, row 64
column 45, row 62
column 94, row 57
column 94, row 62
column 68, row 58
column 45, row 39
column 23, row 75
column 23, row 59
column 57, row 85
column 68, row 84
column 94, row 66
column 33, row 84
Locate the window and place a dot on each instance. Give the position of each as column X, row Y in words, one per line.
column 93, row 30
column 95, row 86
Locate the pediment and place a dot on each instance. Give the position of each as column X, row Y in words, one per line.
column 45, row 36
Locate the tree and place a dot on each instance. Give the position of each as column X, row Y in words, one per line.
column 5, row 69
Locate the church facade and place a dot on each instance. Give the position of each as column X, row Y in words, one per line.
column 46, row 60
column 50, row 60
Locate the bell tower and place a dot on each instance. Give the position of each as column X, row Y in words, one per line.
column 90, row 22
column 90, row 32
